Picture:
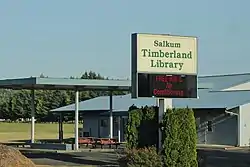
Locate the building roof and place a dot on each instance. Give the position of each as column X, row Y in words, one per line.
column 215, row 82
column 216, row 99
column 209, row 96
column 219, row 82
column 64, row 84
column 101, row 103
column 70, row 84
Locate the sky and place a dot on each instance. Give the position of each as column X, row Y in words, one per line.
column 62, row 38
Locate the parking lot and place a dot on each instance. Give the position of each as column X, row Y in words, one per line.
column 212, row 158
column 225, row 158
column 73, row 159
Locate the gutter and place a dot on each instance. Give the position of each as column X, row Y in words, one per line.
column 231, row 113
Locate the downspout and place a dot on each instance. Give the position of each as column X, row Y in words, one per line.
column 238, row 126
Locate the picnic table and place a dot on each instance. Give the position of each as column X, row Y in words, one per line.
column 86, row 140
column 98, row 141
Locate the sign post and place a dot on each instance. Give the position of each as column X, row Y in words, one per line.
column 163, row 105
column 164, row 67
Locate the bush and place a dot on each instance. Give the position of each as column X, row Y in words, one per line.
column 148, row 129
column 134, row 120
column 142, row 127
column 179, row 138
column 146, row 157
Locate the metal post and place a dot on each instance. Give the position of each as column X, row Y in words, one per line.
column 205, row 135
column 76, row 118
column 111, row 115
column 32, row 116
column 163, row 105
column 61, row 127
column 119, row 129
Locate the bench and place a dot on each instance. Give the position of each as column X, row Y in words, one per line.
column 86, row 140
column 107, row 141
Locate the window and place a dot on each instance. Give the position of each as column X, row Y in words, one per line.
column 104, row 123
column 210, row 126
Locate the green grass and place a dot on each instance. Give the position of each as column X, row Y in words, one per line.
column 21, row 131
column 65, row 166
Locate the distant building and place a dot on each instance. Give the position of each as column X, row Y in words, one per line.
column 222, row 111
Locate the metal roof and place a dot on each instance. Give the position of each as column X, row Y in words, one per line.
column 71, row 84
column 64, row 84
column 120, row 103
column 219, row 82
column 206, row 100
column 215, row 82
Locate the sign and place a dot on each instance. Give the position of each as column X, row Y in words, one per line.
column 161, row 55
column 171, row 86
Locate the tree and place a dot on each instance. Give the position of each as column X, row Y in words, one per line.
column 179, row 138
column 134, row 120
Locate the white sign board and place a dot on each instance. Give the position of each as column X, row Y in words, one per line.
column 162, row 54
column 165, row 54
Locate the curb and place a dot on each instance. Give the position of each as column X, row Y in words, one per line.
column 86, row 150
column 238, row 148
column 66, row 151
column 223, row 148
column 219, row 147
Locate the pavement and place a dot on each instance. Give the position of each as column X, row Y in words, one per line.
column 73, row 158
column 212, row 157
column 225, row 158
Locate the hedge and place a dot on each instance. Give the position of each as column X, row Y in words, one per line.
column 142, row 123
column 179, row 138
column 179, row 135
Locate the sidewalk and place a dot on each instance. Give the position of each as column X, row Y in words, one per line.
column 222, row 147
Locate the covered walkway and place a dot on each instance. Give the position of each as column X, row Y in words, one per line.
column 35, row 83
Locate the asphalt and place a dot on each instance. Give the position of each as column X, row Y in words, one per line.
column 210, row 157
column 225, row 158
column 73, row 158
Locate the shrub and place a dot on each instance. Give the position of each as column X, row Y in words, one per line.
column 146, row 157
column 142, row 127
column 179, row 138
column 134, row 120
column 148, row 129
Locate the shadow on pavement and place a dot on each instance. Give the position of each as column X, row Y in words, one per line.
column 68, row 158
column 67, row 140
column 224, row 158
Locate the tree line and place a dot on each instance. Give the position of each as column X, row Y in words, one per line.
column 16, row 104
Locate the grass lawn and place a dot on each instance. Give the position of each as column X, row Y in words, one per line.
column 64, row 166
column 11, row 132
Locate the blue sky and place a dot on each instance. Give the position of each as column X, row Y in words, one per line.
column 62, row 38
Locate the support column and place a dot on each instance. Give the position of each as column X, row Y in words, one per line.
column 76, row 118
column 61, row 127
column 111, row 114
column 32, row 137
column 119, row 129
column 163, row 105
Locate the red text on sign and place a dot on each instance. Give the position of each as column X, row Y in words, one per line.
column 165, row 78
